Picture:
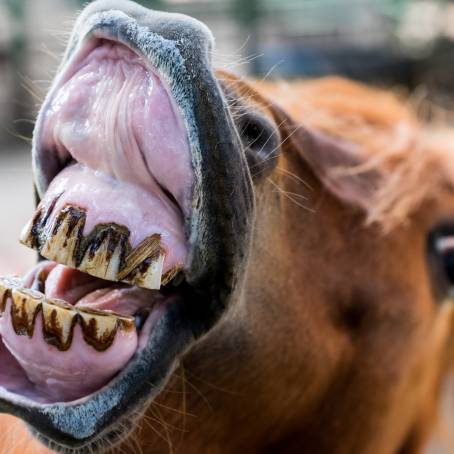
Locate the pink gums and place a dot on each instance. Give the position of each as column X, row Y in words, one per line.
column 107, row 199
column 71, row 374
column 115, row 117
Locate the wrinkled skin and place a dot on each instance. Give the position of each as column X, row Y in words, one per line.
column 336, row 340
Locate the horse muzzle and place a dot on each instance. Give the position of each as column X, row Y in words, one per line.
column 143, row 220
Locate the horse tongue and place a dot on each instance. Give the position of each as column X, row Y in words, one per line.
column 82, row 290
column 70, row 285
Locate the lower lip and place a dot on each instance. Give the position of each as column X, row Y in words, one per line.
column 69, row 375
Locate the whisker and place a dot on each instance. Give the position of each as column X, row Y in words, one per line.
column 290, row 197
column 280, row 145
column 175, row 410
column 294, row 177
column 269, row 72
column 294, row 194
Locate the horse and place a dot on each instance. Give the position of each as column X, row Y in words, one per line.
column 308, row 306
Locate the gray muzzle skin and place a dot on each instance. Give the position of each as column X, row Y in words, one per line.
column 218, row 228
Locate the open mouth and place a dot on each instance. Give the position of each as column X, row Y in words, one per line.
column 143, row 224
column 110, row 224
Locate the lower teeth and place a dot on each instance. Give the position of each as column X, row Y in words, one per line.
column 59, row 318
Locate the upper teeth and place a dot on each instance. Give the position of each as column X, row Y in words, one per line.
column 59, row 318
column 105, row 253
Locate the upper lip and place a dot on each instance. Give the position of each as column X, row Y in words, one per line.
column 217, row 229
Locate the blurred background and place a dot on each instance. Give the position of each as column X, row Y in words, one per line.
column 403, row 43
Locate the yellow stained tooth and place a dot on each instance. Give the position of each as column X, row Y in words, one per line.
column 63, row 241
column 59, row 319
column 60, row 304
column 99, row 328
column 113, row 264
column 124, row 322
column 58, row 236
column 103, row 262
column 152, row 277
column 26, row 237
column 7, row 283
column 148, row 276
column 24, row 308
column 11, row 282
column 149, row 247
column 4, row 294
column 30, row 235
column 143, row 266
column 171, row 274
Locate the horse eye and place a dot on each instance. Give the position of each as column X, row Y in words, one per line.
column 441, row 259
column 261, row 140
column 445, row 249
column 255, row 135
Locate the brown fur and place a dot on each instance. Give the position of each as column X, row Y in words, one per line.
column 387, row 129
column 337, row 344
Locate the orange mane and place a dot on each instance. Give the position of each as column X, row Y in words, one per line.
column 415, row 155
